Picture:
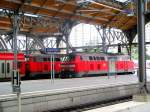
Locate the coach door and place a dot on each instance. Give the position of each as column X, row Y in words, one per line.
column 2, row 69
column 8, row 68
column 112, row 65
column 5, row 69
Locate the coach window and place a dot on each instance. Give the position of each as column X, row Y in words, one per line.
column 3, row 68
column 97, row 58
column 81, row 58
column 8, row 67
column 90, row 58
column 49, row 59
column 34, row 58
column 94, row 57
column 45, row 59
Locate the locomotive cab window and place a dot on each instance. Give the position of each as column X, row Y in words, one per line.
column 69, row 58
column 57, row 59
column 102, row 58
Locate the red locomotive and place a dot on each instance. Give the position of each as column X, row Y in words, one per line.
column 39, row 65
column 86, row 64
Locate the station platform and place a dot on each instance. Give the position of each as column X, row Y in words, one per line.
column 43, row 95
column 118, row 107
column 141, row 108
column 130, row 106
column 61, row 84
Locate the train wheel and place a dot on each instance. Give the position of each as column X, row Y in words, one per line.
column 27, row 76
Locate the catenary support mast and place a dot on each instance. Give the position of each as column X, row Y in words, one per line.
column 141, row 47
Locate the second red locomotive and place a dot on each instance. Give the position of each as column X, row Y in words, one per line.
column 87, row 64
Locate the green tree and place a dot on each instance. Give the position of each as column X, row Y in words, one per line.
column 134, row 54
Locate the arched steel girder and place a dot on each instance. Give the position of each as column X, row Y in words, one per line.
column 109, row 36
column 3, row 45
column 30, row 42
column 38, row 42
column 130, row 34
column 58, row 40
column 66, row 29
column 34, row 42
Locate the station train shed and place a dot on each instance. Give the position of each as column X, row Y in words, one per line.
column 39, row 19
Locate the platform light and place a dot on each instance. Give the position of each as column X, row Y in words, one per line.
column 83, row 1
column 130, row 14
column 58, row 34
column 31, row 15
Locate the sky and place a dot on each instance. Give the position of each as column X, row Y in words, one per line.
column 85, row 34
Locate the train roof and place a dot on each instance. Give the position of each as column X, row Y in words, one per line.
column 44, row 55
column 95, row 54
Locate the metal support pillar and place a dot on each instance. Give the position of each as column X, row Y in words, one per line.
column 65, row 29
column 58, row 40
column 52, row 67
column 119, row 48
column 15, row 32
column 15, row 75
column 67, row 44
column 130, row 50
column 141, row 47
column 27, row 50
column 104, row 40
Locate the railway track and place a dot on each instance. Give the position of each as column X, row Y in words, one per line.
column 94, row 105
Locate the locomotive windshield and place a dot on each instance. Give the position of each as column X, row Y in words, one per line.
column 69, row 58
